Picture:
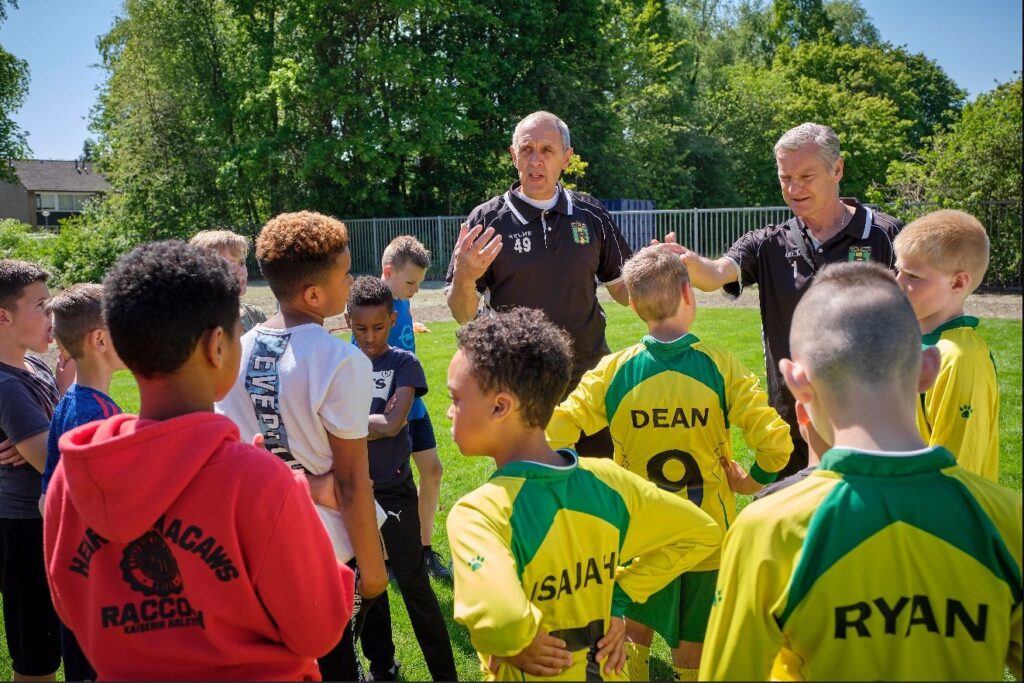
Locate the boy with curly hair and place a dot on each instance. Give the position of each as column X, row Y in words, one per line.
column 539, row 549
column 172, row 547
column 308, row 394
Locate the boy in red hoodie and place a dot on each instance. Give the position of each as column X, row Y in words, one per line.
column 173, row 550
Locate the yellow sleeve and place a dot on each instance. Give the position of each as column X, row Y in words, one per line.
column 765, row 432
column 743, row 638
column 489, row 597
column 961, row 409
column 667, row 535
column 583, row 411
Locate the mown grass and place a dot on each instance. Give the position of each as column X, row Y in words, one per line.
column 734, row 329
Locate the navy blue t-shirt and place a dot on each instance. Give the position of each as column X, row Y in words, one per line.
column 27, row 399
column 403, row 337
column 80, row 405
column 389, row 458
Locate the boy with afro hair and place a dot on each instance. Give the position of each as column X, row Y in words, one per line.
column 172, row 547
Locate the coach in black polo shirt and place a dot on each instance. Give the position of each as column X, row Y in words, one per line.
column 541, row 245
column 783, row 259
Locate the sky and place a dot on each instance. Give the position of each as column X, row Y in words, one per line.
column 977, row 42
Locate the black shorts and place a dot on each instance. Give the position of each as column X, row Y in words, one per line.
column 33, row 630
column 421, row 430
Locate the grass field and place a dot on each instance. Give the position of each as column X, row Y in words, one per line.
column 734, row 329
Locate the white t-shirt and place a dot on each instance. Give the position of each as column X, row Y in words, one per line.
column 295, row 404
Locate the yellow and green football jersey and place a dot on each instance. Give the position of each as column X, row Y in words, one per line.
column 539, row 546
column 875, row 567
column 961, row 410
column 669, row 407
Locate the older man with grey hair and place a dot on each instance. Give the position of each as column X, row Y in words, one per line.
column 783, row 259
column 542, row 245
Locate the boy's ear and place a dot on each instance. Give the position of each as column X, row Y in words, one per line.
column 97, row 339
column 687, row 293
column 394, row 317
column 504, row 405
column 5, row 316
column 931, row 358
column 797, row 380
column 348, row 320
column 311, row 295
column 961, row 281
column 386, row 271
column 214, row 343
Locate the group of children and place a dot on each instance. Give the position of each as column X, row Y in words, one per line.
column 174, row 546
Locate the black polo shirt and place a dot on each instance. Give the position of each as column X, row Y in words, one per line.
column 770, row 258
column 553, row 260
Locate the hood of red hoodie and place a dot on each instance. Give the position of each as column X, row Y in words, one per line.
column 123, row 473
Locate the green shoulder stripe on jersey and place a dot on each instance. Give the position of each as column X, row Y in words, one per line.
column 932, row 338
column 658, row 357
column 535, row 507
column 872, row 495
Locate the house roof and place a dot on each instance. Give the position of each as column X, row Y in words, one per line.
column 44, row 175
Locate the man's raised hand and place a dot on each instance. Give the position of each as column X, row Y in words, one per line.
column 475, row 251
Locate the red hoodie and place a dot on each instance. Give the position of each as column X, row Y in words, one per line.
column 174, row 551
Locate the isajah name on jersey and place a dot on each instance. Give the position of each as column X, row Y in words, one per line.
column 668, row 418
column 91, row 542
column 194, row 540
column 572, row 579
column 154, row 614
column 907, row 615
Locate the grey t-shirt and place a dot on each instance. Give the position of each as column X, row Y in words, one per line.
column 27, row 400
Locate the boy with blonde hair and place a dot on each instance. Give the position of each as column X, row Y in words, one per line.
column 889, row 561
column 403, row 267
column 942, row 258
column 539, row 548
column 233, row 248
column 669, row 402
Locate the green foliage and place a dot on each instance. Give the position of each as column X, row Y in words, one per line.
column 13, row 88
column 976, row 158
column 20, row 241
column 87, row 245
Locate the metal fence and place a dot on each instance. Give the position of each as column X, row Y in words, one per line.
column 706, row 231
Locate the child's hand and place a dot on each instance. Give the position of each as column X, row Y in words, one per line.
column 9, row 455
column 739, row 480
column 66, row 372
column 545, row 656
column 420, row 327
column 613, row 646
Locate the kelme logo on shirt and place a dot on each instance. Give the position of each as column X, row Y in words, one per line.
column 966, row 410
column 476, row 563
column 580, row 233
column 859, row 254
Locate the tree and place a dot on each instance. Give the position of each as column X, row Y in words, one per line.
column 978, row 158
column 14, row 79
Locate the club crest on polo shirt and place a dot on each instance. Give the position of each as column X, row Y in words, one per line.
column 859, row 254
column 580, row 233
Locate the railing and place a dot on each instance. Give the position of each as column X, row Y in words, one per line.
column 707, row 231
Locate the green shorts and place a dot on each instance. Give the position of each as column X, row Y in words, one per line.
column 680, row 610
